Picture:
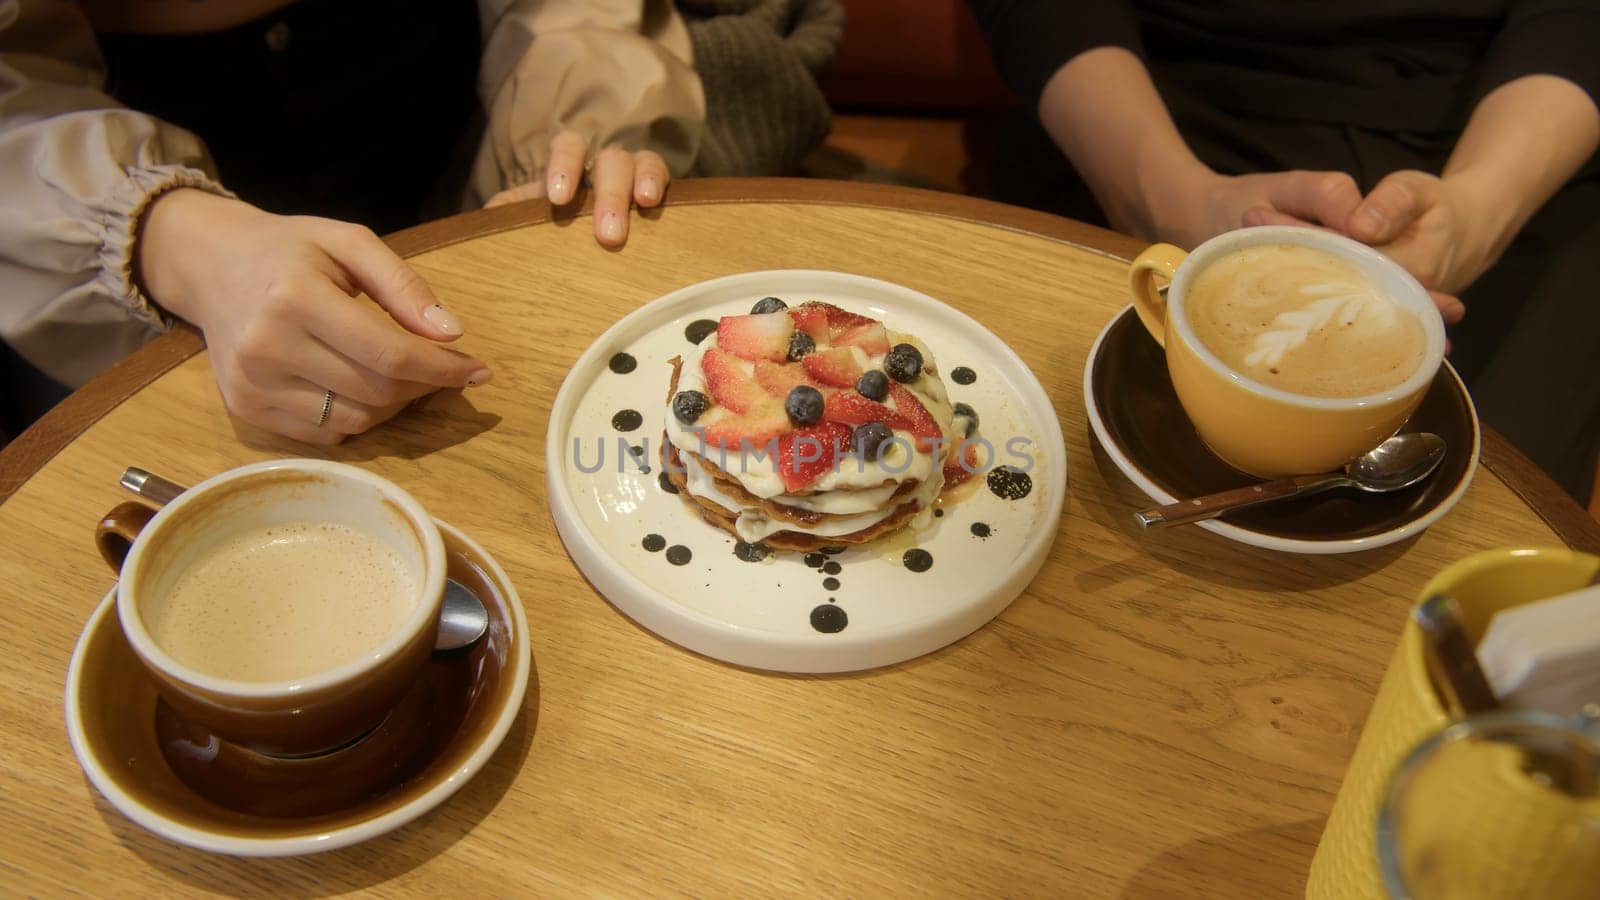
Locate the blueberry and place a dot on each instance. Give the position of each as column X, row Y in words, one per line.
column 904, row 363
column 962, row 409
column 868, row 438
column 874, row 385
column 804, row 405
column 689, row 405
column 767, row 305
column 800, row 344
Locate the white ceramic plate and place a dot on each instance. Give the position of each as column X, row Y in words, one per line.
column 760, row 614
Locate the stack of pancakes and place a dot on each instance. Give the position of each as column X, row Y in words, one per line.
column 735, row 459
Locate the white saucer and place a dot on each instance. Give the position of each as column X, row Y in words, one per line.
column 759, row 614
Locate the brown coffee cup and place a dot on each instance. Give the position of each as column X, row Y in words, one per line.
column 304, row 715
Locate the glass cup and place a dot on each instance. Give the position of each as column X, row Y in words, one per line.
column 1498, row 806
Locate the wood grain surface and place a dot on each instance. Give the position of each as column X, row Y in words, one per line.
column 1159, row 715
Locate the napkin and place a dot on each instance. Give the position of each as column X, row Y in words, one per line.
column 1546, row 655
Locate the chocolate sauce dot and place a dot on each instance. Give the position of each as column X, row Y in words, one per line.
column 815, row 560
column 979, row 529
column 831, row 567
column 830, row 584
column 834, row 551
column 829, row 619
column 622, row 363
column 638, row 456
column 696, row 331
column 627, row 420
column 751, row 552
column 667, row 485
column 653, row 543
column 963, row 375
column 938, row 513
column 1008, row 483
column 918, row 560
column 679, row 555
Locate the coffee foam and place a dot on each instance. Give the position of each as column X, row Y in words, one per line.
column 282, row 602
column 1304, row 320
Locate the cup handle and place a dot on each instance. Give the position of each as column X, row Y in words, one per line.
column 1147, row 301
column 115, row 534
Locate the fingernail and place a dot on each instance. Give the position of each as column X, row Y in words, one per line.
column 649, row 189
column 558, row 188
column 1371, row 221
column 442, row 319
column 611, row 227
column 480, row 378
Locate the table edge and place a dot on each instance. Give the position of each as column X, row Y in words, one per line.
column 29, row 452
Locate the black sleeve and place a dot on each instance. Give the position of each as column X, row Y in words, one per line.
column 1546, row 37
column 1031, row 39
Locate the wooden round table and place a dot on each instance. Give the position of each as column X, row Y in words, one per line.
column 1160, row 714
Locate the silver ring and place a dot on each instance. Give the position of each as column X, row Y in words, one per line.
column 327, row 407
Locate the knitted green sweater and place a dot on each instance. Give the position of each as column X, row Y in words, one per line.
column 757, row 60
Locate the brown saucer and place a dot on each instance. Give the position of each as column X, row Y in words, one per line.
column 1136, row 415
column 182, row 783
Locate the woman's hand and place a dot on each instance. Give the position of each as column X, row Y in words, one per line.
column 618, row 179
column 1209, row 204
column 276, row 297
column 1423, row 224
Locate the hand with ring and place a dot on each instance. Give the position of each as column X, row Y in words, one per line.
column 294, row 348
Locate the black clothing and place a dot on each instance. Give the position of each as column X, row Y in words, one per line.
column 349, row 109
column 1392, row 65
column 1367, row 88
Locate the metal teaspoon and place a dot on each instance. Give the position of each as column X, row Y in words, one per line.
column 1398, row 462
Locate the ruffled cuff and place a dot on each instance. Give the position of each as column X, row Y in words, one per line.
column 118, row 225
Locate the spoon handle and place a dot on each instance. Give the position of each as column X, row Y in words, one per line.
column 1212, row 505
column 151, row 487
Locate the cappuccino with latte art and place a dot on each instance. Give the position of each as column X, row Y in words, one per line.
column 1305, row 321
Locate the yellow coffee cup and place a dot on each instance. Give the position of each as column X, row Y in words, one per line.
column 1258, row 428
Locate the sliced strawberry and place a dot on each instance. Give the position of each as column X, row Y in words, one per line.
column 808, row 453
column 764, row 336
column 756, row 429
column 730, row 382
column 780, row 379
column 813, row 320
column 853, row 409
column 956, row 472
column 869, row 337
column 839, row 319
column 836, row 367
column 916, row 417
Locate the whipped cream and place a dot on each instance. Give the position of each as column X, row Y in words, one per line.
column 856, row 491
column 754, row 524
column 760, row 476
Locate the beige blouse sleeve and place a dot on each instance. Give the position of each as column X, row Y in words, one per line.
column 617, row 71
column 78, row 169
